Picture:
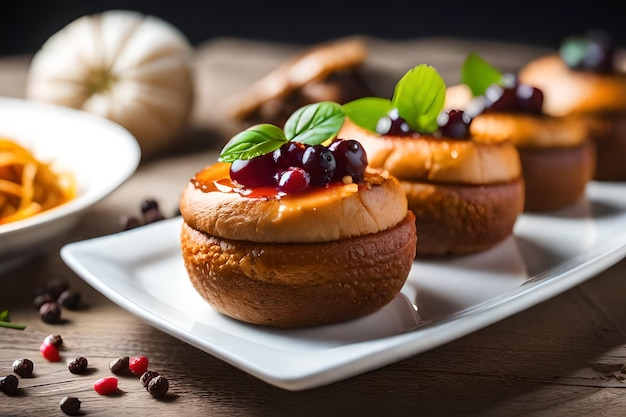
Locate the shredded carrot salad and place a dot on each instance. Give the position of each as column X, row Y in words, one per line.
column 29, row 186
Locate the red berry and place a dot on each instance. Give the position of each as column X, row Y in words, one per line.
column 454, row 124
column 50, row 352
column 138, row 365
column 106, row 386
column 255, row 172
column 293, row 180
column 290, row 155
column 351, row 159
column 319, row 162
column 529, row 98
column 392, row 124
column 501, row 99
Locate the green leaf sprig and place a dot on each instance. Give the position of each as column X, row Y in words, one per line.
column 5, row 322
column 478, row 74
column 312, row 124
column 419, row 97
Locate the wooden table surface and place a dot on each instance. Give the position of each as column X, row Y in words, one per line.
column 563, row 357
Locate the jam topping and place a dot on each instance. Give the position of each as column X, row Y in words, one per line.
column 453, row 124
column 216, row 178
column 293, row 159
column 515, row 97
column 293, row 168
column 499, row 92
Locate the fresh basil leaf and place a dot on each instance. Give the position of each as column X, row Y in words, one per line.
column 478, row 75
column 255, row 141
column 365, row 112
column 4, row 315
column 419, row 97
column 315, row 123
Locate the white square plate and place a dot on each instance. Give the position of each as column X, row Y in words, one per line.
column 142, row 271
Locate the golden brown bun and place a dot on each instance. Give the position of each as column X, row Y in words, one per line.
column 558, row 159
column 583, row 105
column 466, row 195
column 440, row 160
column 557, row 177
column 539, row 131
column 457, row 219
column 568, row 91
column 305, row 72
column 323, row 215
column 300, row 284
column 608, row 132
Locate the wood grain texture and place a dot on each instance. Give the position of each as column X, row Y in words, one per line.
column 563, row 357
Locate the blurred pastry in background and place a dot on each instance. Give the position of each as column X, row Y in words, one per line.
column 466, row 193
column 583, row 80
column 324, row 72
column 557, row 156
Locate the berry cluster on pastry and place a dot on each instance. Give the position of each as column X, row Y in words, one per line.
column 557, row 154
column 583, row 81
column 466, row 192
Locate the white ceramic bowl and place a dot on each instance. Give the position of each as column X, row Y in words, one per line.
column 101, row 155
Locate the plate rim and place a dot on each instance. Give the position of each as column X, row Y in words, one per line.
column 372, row 354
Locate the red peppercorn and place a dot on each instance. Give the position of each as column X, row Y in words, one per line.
column 106, row 386
column 138, row 364
column 50, row 352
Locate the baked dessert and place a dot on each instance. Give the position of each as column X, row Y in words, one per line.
column 324, row 72
column 284, row 231
column 466, row 193
column 583, row 82
column 557, row 156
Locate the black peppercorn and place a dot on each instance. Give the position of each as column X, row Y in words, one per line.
column 41, row 299
column 50, row 312
column 150, row 211
column 78, row 365
column 55, row 287
column 119, row 366
column 149, row 204
column 158, row 386
column 23, row 367
column 70, row 405
column 9, row 384
column 69, row 299
column 146, row 377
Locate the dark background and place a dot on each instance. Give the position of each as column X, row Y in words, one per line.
column 26, row 24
